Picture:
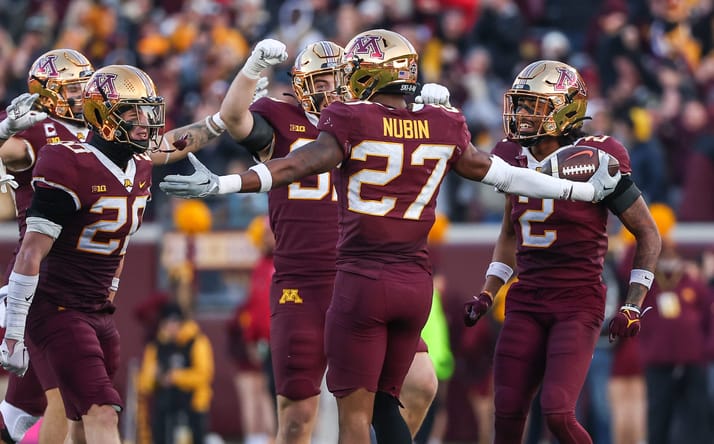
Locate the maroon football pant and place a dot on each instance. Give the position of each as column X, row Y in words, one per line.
column 372, row 330
column 297, row 336
column 555, row 348
column 82, row 349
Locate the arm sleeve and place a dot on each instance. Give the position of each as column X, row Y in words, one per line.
column 526, row 182
column 52, row 204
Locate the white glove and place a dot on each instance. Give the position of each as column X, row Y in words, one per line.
column 266, row 53
column 433, row 94
column 20, row 115
column 3, row 306
column 603, row 183
column 16, row 361
column 5, row 180
column 201, row 183
column 261, row 89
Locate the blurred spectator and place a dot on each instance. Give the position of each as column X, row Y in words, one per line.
column 697, row 204
column 249, row 335
column 177, row 372
column 673, row 349
column 633, row 127
column 500, row 29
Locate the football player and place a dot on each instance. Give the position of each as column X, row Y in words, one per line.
column 305, row 250
column 50, row 112
column 88, row 200
column 555, row 310
column 55, row 83
column 389, row 160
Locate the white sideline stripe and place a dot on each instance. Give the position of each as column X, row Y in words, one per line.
column 687, row 233
column 684, row 233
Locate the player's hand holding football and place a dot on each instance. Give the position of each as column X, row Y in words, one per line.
column 433, row 94
column 602, row 181
column 203, row 182
column 20, row 115
column 626, row 322
column 266, row 53
column 13, row 356
column 473, row 310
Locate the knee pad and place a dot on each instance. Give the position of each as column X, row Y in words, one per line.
column 566, row 428
column 17, row 421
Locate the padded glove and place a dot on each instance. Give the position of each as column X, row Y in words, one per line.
column 473, row 310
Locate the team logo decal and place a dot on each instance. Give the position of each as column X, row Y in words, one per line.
column 47, row 66
column 567, row 79
column 366, row 45
column 103, row 82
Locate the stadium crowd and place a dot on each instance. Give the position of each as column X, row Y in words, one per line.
column 648, row 65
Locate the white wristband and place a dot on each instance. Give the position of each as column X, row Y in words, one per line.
column 231, row 183
column 642, row 277
column 21, row 291
column 115, row 285
column 499, row 270
column 215, row 124
column 264, row 175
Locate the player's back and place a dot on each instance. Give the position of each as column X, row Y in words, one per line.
column 109, row 204
column 303, row 215
column 559, row 243
column 395, row 161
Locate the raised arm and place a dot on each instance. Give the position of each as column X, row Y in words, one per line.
column 234, row 113
column 316, row 157
column 492, row 170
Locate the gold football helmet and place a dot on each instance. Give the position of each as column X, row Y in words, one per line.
column 554, row 97
column 315, row 60
column 51, row 74
column 380, row 61
column 116, row 89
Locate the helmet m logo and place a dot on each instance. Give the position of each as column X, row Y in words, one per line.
column 103, row 83
column 567, row 80
column 366, row 45
column 47, row 66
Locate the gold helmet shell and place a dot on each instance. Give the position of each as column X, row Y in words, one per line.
column 559, row 101
column 380, row 61
column 114, row 89
column 316, row 59
column 51, row 73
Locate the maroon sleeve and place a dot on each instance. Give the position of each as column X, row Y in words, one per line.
column 55, row 168
column 611, row 146
column 508, row 151
column 335, row 119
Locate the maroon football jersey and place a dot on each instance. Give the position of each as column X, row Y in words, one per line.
column 395, row 161
column 42, row 133
column 303, row 215
column 110, row 204
column 559, row 243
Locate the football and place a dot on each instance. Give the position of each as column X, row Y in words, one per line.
column 576, row 163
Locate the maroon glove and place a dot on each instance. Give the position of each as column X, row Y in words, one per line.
column 626, row 322
column 473, row 310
